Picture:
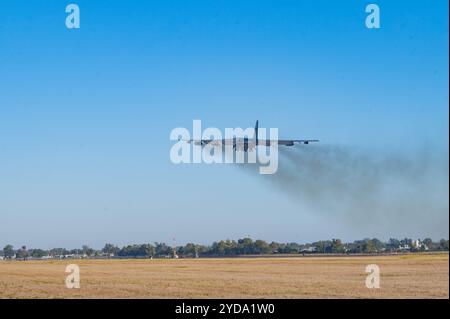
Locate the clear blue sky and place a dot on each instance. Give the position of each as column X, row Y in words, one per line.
column 85, row 115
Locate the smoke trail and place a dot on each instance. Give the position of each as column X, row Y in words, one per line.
column 409, row 189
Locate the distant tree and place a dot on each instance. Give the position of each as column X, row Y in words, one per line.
column 231, row 247
column 393, row 244
column 8, row 251
column 336, row 246
column 22, row 253
column 261, row 247
column 161, row 249
column 378, row 244
column 274, row 247
column 38, row 253
column 443, row 244
column 245, row 246
column 75, row 251
column 58, row 252
column 369, row 246
column 218, row 248
column 87, row 250
column 146, row 250
column 125, row 251
column 406, row 242
column 320, row 246
column 323, row 246
column 202, row 250
column 359, row 246
column 110, row 249
column 292, row 248
column 428, row 243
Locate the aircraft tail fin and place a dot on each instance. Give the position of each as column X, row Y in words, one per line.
column 256, row 132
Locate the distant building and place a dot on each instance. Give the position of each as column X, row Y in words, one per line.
column 417, row 244
column 2, row 257
column 311, row 249
column 47, row 257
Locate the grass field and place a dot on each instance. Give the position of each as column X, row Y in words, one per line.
column 402, row 276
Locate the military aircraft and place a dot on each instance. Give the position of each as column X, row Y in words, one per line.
column 248, row 144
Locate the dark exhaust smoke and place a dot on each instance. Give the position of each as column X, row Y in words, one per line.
column 407, row 190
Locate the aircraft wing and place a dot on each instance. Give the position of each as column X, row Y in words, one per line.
column 285, row 142
column 216, row 142
column 197, row 142
column 253, row 142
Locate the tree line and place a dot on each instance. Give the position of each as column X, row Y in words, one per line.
column 244, row 246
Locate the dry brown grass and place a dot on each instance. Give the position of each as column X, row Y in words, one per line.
column 410, row 276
